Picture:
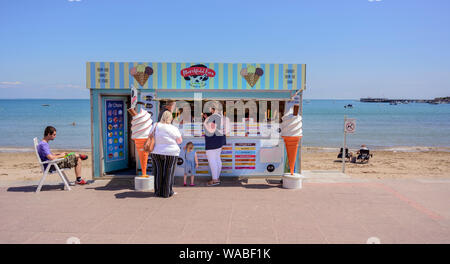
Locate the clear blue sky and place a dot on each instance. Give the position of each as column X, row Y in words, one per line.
column 352, row 48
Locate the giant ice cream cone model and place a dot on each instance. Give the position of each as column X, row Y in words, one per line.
column 141, row 126
column 291, row 131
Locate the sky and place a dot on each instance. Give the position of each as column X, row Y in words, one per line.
column 352, row 48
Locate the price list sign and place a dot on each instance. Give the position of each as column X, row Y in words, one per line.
column 115, row 130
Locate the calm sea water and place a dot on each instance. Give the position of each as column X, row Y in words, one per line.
column 377, row 125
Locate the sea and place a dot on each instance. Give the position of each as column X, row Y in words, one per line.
column 378, row 125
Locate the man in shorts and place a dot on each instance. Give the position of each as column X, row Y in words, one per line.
column 70, row 161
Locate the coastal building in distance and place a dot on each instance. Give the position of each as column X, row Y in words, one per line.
column 437, row 100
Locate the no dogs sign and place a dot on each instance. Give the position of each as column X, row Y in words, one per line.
column 350, row 125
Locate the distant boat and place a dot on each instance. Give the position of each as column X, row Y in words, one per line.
column 348, row 106
column 45, row 105
column 393, row 103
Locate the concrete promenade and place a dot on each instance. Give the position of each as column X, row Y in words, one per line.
column 331, row 208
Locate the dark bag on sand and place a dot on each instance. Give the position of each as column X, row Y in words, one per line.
column 150, row 142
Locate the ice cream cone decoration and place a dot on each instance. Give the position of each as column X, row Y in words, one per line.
column 251, row 74
column 291, row 131
column 143, row 155
column 291, row 144
column 141, row 126
column 141, row 73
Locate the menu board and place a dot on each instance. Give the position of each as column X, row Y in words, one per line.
column 150, row 106
column 191, row 129
column 227, row 159
column 239, row 129
column 115, row 130
column 240, row 157
column 203, row 165
column 245, row 156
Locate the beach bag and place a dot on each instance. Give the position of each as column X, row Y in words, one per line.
column 150, row 142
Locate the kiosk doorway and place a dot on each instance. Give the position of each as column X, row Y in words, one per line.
column 117, row 152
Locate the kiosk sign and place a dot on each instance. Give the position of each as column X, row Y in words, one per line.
column 197, row 75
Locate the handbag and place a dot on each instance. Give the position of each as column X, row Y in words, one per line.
column 150, row 142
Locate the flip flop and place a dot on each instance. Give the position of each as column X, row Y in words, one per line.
column 191, row 184
column 213, row 183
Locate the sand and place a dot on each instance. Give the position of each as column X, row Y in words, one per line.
column 408, row 163
column 23, row 166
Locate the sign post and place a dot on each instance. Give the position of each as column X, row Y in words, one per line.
column 349, row 127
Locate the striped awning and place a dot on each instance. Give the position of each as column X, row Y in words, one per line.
column 195, row 76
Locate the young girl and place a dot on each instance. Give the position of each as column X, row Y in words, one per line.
column 190, row 158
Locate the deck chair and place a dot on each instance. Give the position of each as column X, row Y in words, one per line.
column 47, row 171
column 364, row 155
column 347, row 155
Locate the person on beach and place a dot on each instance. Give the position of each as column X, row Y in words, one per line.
column 165, row 154
column 364, row 147
column 169, row 106
column 215, row 139
column 70, row 159
column 191, row 162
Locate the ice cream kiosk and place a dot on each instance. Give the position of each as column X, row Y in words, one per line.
column 261, row 104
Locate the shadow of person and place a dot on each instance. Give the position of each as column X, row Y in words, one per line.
column 135, row 195
column 32, row 188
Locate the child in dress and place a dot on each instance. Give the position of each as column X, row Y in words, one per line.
column 190, row 158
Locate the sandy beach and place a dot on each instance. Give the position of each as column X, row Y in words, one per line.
column 406, row 163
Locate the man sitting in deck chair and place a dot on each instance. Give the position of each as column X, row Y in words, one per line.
column 348, row 156
column 363, row 154
column 69, row 161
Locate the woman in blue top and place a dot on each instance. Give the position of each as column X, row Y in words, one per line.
column 214, row 140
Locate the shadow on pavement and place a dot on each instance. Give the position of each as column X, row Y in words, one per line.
column 231, row 182
column 134, row 194
column 263, row 184
column 115, row 185
column 32, row 188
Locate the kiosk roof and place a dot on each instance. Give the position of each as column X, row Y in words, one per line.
column 195, row 76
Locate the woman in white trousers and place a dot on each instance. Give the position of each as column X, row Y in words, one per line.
column 214, row 140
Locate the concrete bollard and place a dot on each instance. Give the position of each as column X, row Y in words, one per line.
column 292, row 181
column 144, row 183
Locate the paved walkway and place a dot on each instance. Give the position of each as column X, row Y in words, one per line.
column 238, row 211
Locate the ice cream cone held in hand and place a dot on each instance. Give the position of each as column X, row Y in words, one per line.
column 291, row 131
column 141, row 126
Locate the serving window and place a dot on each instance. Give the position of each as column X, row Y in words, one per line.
column 243, row 118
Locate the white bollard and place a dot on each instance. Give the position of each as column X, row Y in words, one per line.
column 144, row 183
column 292, row 181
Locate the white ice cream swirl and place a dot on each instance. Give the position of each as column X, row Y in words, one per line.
column 141, row 125
column 291, row 125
